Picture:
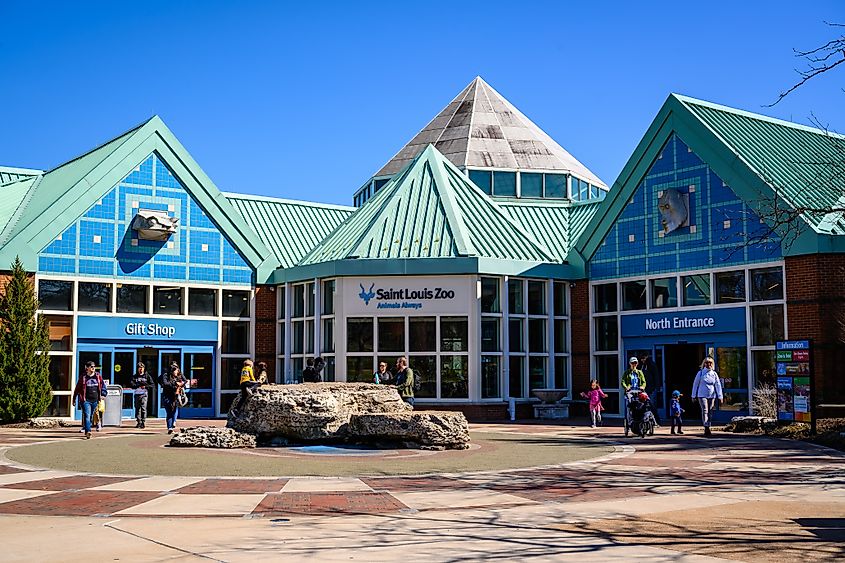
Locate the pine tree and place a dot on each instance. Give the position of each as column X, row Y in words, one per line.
column 24, row 342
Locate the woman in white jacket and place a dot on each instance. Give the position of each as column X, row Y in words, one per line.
column 707, row 387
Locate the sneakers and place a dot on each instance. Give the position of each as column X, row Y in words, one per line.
column 592, row 426
column 87, row 435
column 142, row 425
column 707, row 431
column 170, row 431
column 680, row 431
column 81, row 430
column 99, row 426
column 138, row 424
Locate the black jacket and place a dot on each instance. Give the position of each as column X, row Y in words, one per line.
column 141, row 380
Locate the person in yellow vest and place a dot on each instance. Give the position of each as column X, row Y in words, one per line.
column 247, row 384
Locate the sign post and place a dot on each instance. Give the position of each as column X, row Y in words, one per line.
column 795, row 386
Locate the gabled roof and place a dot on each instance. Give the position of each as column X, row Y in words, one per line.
column 759, row 157
column 60, row 196
column 13, row 174
column 430, row 210
column 289, row 228
column 481, row 129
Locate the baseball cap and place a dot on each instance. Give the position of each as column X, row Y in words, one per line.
column 676, row 393
column 633, row 360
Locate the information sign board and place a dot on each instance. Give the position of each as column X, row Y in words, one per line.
column 794, row 378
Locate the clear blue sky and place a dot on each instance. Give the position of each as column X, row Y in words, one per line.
column 307, row 100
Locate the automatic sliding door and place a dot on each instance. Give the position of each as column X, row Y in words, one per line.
column 199, row 366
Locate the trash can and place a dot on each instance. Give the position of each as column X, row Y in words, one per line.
column 114, row 406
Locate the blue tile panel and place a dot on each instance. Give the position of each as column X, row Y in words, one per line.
column 101, row 242
column 715, row 238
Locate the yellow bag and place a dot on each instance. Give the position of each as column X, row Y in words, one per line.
column 101, row 406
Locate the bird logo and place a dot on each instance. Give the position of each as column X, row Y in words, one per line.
column 366, row 295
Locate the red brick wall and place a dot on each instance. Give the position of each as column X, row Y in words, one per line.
column 815, row 309
column 580, row 318
column 265, row 328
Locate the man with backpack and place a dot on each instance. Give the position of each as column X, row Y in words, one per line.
column 404, row 378
column 87, row 394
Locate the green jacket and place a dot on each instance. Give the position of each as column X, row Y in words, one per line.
column 405, row 383
column 626, row 378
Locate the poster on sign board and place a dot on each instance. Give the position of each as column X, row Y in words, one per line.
column 785, row 399
column 801, row 398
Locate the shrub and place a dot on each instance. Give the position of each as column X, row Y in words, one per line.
column 764, row 401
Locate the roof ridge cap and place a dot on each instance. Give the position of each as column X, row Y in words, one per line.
column 463, row 242
column 272, row 199
column 126, row 134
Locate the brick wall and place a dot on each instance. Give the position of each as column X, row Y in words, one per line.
column 580, row 345
column 265, row 328
column 815, row 309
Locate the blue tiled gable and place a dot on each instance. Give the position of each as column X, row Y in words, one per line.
column 715, row 238
column 101, row 242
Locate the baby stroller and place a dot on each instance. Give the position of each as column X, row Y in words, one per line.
column 639, row 417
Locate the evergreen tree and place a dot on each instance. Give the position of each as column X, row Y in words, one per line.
column 24, row 342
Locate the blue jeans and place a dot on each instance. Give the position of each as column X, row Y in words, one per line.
column 171, row 409
column 88, row 410
column 409, row 400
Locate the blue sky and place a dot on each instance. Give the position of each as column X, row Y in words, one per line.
column 307, row 101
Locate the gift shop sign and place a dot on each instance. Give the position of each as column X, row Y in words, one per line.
column 402, row 295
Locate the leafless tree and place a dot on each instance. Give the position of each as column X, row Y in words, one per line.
column 819, row 60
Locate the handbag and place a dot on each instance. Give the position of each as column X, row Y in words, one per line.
column 101, row 406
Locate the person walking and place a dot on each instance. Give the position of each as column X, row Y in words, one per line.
column 707, row 387
column 172, row 383
column 141, row 383
column 89, row 390
column 595, row 395
column 382, row 375
column 633, row 378
column 675, row 411
column 404, row 379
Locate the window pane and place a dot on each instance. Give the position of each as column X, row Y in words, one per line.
column 453, row 334
column 766, row 284
column 764, row 367
column 555, row 185
column 560, row 299
column 230, row 375
column 328, row 335
column 309, row 337
column 425, row 371
column 329, row 372
column 515, row 335
column 481, row 178
column 309, row 299
column 202, row 302
column 422, row 334
column 767, row 324
column 730, row 287
column 94, row 297
column 515, row 303
column 504, row 183
column 537, row 335
column 490, row 335
column 132, row 298
column 515, row 364
column 696, row 289
column 536, row 372
column 607, row 333
column 490, row 295
column 55, row 295
column 532, row 184
column 328, row 297
column 235, row 303
column 61, row 332
column 298, row 304
column 664, row 293
column 608, row 372
column 280, row 290
column 391, row 334
column 359, row 335
column 235, row 337
column 297, row 345
column 60, row 373
column 359, row 368
column 536, row 298
column 454, row 377
column 490, row 377
column 561, row 372
column 633, row 295
column 561, row 341
column 167, row 300
column 604, row 297
column 731, row 365
column 297, row 366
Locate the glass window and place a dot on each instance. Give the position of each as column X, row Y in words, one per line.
column 235, row 303
column 454, row 334
column 60, row 373
column 604, row 297
column 231, row 376
column 767, row 284
column 664, row 293
column 608, row 372
column 298, row 301
column 61, row 332
column 515, row 303
column 515, row 370
column 767, row 324
column 607, row 334
column 482, row 179
column 378, row 184
column 561, row 373
column 422, row 334
column 561, row 341
column 504, row 184
column 280, row 290
column 731, row 365
column 391, row 334
column 560, row 307
column 309, row 299
column 633, row 295
column 167, row 300
column 583, row 190
column 490, row 335
column 94, row 297
column 515, row 342
column 132, row 298
column 490, row 295
column 531, row 184
column 454, row 378
column 359, row 368
column 235, row 337
column 555, row 185
column 203, row 302
column 730, row 287
column 536, row 372
column 425, row 371
column 359, row 335
column 309, row 337
column 537, row 335
column 696, row 289
column 536, row 298
column 297, row 345
column 764, row 367
column 55, row 295
column 490, row 377
column 328, row 335
column 328, row 297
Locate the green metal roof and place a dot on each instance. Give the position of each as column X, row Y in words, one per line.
column 430, row 210
column 63, row 194
column 290, row 229
column 12, row 174
column 759, row 157
column 13, row 196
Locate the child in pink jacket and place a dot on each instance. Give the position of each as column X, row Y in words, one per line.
column 595, row 395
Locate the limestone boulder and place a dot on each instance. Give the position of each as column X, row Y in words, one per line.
column 212, row 437
column 426, row 429
column 751, row 424
column 311, row 412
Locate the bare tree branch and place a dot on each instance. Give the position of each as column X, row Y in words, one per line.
column 819, row 61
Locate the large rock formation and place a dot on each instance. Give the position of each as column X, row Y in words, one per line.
column 212, row 437
column 428, row 429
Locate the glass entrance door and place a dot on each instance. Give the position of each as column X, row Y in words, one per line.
column 165, row 358
column 124, row 368
column 199, row 366
column 149, row 357
column 102, row 359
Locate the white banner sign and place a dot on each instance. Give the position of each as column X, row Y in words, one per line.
column 400, row 296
